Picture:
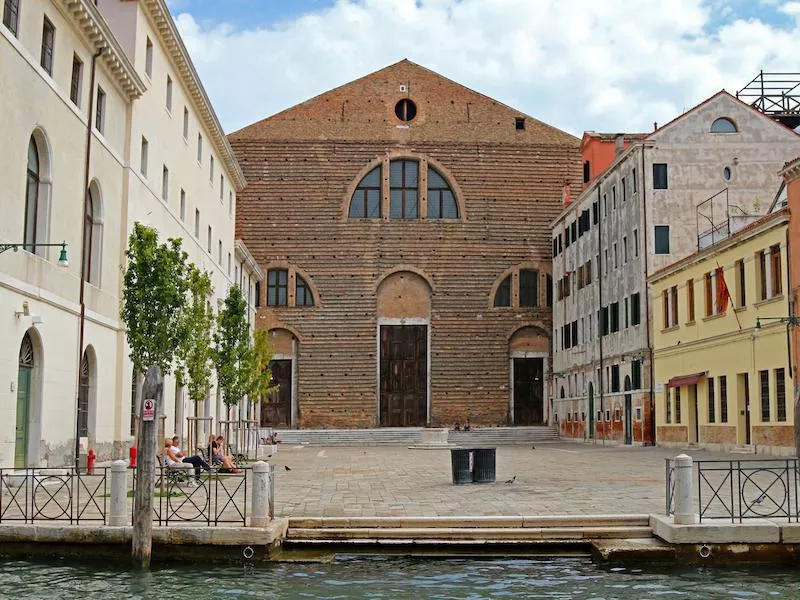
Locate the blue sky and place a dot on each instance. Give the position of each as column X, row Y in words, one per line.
column 614, row 65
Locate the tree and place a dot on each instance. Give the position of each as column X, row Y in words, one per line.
column 232, row 348
column 260, row 374
column 195, row 352
column 153, row 298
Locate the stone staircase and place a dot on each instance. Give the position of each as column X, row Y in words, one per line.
column 409, row 436
column 560, row 530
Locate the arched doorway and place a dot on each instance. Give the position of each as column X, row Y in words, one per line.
column 27, row 362
column 280, row 408
column 528, row 351
column 591, row 410
column 628, row 412
column 404, row 309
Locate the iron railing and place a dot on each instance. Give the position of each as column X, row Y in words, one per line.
column 68, row 495
column 46, row 495
column 737, row 490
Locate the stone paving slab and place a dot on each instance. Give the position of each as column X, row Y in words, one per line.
column 555, row 478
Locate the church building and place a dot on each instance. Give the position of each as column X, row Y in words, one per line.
column 402, row 221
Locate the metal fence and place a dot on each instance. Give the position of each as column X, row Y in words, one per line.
column 67, row 495
column 41, row 495
column 736, row 490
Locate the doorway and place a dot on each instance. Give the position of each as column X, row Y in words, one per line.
column 403, row 375
column 24, row 386
column 694, row 421
column 528, row 391
column 591, row 411
column 743, row 395
column 277, row 412
column 628, row 412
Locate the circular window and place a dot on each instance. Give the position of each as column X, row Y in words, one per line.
column 727, row 173
column 405, row 110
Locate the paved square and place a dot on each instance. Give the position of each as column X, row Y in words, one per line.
column 554, row 479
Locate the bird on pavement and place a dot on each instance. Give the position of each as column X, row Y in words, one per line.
column 533, row 447
column 286, row 467
column 512, row 480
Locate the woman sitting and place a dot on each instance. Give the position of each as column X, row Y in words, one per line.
column 218, row 456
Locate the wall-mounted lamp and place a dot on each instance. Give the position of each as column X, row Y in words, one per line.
column 25, row 312
column 63, row 259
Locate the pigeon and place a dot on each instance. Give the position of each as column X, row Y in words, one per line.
column 533, row 447
column 512, row 480
column 286, row 467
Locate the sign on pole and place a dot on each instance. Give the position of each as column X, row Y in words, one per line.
column 149, row 410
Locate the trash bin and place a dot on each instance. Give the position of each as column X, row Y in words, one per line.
column 462, row 473
column 484, row 465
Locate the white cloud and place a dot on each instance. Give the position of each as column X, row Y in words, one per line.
column 615, row 65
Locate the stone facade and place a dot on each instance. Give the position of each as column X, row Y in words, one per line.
column 151, row 92
column 367, row 275
column 653, row 187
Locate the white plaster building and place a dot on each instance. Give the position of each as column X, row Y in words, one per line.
column 650, row 207
column 156, row 154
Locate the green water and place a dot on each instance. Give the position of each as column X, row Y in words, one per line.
column 559, row 578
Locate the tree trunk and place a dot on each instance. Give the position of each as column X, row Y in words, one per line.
column 152, row 391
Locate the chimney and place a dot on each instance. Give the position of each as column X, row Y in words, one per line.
column 619, row 144
column 566, row 195
column 655, row 125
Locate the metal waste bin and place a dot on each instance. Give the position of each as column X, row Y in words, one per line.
column 460, row 459
column 483, row 465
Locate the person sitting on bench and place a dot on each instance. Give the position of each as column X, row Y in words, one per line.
column 218, row 456
column 174, row 454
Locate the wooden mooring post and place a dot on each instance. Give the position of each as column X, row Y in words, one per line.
column 146, row 468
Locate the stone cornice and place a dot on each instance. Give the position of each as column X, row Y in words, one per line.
column 791, row 170
column 160, row 15
column 243, row 255
column 87, row 19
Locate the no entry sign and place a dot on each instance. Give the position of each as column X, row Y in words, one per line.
column 149, row 410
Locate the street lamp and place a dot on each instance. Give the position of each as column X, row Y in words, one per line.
column 63, row 260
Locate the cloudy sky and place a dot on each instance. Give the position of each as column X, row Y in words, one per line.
column 607, row 65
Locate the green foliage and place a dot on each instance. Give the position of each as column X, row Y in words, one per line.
column 260, row 375
column 195, row 352
column 232, row 348
column 153, row 298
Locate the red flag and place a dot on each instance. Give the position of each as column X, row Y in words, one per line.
column 723, row 294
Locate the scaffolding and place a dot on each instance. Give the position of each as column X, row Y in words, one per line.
column 777, row 95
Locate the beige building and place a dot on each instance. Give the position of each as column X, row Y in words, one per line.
column 156, row 153
column 721, row 353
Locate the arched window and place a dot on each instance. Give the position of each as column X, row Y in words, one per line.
column 502, row 296
column 528, row 287
column 32, row 198
column 441, row 201
column 366, row 200
column 723, row 125
column 404, row 184
column 302, row 293
column 83, row 398
column 88, row 227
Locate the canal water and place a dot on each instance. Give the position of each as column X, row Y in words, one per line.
column 558, row 578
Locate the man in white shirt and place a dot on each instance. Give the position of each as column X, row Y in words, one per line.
column 173, row 454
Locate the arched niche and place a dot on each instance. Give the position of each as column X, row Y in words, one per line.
column 403, row 295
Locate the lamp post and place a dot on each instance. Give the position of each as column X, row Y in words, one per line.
column 63, row 260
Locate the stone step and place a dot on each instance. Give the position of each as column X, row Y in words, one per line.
column 474, row 534
column 540, row 521
column 490, row 436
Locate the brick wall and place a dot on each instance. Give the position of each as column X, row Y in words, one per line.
column 301, row 166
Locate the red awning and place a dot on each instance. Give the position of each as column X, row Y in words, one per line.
column 682, row 380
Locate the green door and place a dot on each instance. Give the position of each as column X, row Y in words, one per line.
column 23, row 395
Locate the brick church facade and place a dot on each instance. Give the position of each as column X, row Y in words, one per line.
column 403, row 223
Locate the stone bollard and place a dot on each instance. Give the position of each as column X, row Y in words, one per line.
column 118, row 515
column 260, row 499
column 684, row 511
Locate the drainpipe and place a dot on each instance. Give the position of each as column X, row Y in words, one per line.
column 82, row 320
column 646, row 294
column 600, row 298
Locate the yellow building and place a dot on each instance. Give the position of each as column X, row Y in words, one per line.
column 721, row 357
